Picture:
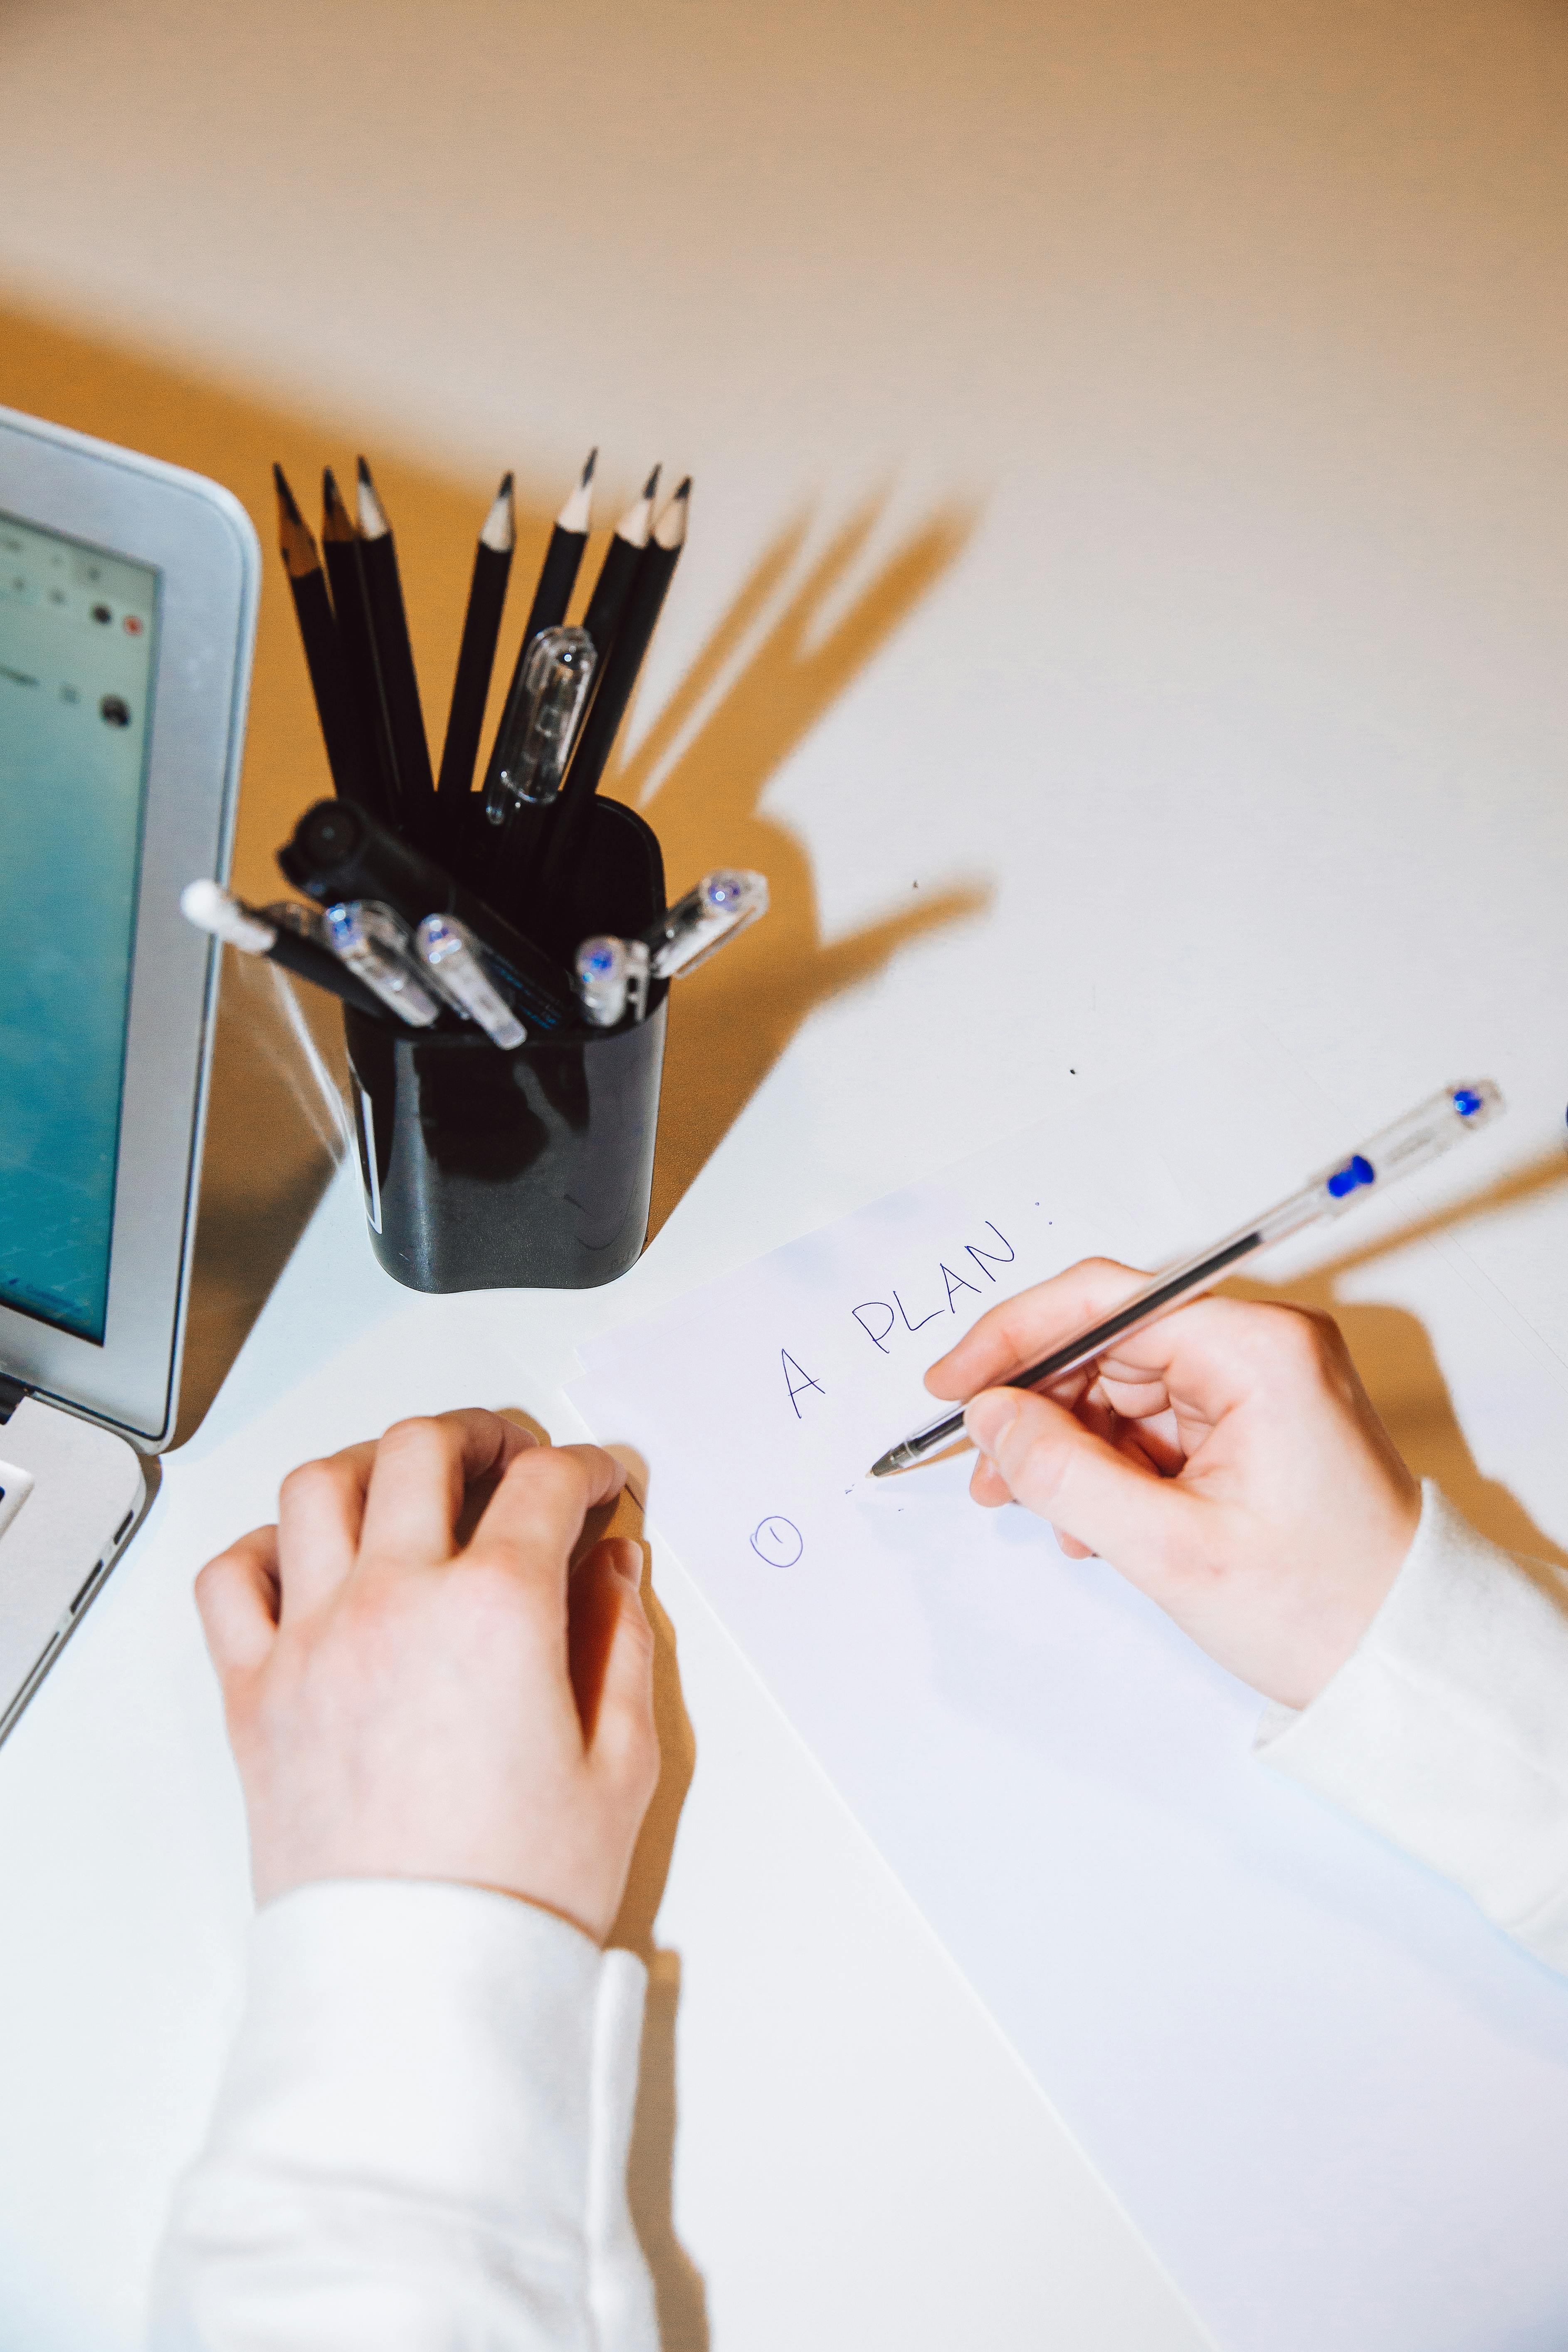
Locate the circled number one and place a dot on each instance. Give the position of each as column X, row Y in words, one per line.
column 778, row 1541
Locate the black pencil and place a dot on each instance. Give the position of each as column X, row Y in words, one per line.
column 619, row 570
column 476, row 660
column 319, row 635
column 340, row 545
column 482, row 843
column 395, row 659
column 552, row 892
column 558, row 572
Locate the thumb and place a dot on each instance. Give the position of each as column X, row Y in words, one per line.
column 1062, row 1472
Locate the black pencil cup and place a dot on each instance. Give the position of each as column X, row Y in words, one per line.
column 489, row 1171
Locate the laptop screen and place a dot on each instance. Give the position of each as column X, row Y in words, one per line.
column 78, row 631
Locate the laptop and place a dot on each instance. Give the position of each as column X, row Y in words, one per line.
column 128, row 593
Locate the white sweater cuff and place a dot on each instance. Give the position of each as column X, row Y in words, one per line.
column 421, row 2136
column 1447, row 1729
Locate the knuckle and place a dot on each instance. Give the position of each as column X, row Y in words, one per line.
column 1299, row 1338
column 414, row 1430
column 554, row 1476
column 307, row 1481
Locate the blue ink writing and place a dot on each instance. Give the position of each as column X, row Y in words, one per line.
column 778, row 1541
column 956, row 1282
column 865, row 1308
column 924, row 1318
column 975, row 1251
column 797, row 1388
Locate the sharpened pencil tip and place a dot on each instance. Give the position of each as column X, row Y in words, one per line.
column 650, row 487
column 372, row 517
column 300, row 553
column 669, row 531
column 286, row 498
column 500, row 528
column 578, row 511
column 338, row 522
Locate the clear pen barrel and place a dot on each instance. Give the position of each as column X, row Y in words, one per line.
column 450, row 956
column 1412, row 1142
column 377, row 947
column 532, row 756
column 722, row 905
column 611, row 979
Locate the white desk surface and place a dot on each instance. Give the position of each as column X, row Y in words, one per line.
column 1167, row 399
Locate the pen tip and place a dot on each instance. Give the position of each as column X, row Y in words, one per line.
column 651, row 484
column 880, row 1468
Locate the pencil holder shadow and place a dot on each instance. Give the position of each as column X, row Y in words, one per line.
column 534, row 1169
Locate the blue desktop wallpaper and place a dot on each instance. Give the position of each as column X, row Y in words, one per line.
column 77, row 630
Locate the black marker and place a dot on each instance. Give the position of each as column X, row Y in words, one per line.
column 339, row 852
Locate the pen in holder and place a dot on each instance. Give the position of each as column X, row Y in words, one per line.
column 506, row 1102
column 487, row 1170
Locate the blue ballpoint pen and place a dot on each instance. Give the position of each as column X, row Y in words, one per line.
column 1413, row 1141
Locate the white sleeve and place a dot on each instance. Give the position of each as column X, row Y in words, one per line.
column 1446, row 1728
column 420, row 2142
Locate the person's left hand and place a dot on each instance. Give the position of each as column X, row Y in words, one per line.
column 418, row 1685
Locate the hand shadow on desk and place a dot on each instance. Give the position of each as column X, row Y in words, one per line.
column 1399, row 1367
column 650, row 2173
column 810, row 633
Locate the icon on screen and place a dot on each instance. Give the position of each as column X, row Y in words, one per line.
column 102, row 615
column 114, row 712
column 134, row 625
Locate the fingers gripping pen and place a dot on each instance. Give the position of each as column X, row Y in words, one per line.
column 1422, row 1135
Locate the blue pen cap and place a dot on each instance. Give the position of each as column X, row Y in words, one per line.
column 1422, row 1135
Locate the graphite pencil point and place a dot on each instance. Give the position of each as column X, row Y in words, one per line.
column 372, row 521
column 286, row 498
column 500, row 530
column 337, row 523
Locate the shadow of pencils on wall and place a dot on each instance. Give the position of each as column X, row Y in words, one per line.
column 771, row 669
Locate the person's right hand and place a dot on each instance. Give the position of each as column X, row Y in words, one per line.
column 1225, row 1459
column 417, row 1683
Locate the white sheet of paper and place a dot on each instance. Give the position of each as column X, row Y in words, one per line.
column 1335, row 2101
